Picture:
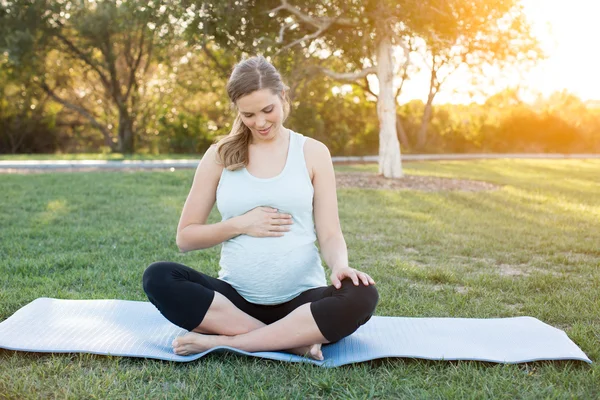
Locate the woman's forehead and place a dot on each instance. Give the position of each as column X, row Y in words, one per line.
column 256, row 101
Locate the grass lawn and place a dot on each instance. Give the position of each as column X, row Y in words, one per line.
column 531, row 247
column 99, row 156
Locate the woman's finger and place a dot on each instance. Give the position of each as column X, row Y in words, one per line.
column 354, row 277
column 364, row 278
column 281, row 219
column 335, row 281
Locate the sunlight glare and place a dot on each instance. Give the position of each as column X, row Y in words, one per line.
column 568, row 31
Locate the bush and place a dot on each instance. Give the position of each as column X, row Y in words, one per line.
column 184, row 134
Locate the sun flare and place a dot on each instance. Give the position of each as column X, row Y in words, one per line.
column 568, row 32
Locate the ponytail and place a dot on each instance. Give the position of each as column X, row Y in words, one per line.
column 232, row 150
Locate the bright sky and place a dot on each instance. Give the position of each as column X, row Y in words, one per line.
column 568, row 32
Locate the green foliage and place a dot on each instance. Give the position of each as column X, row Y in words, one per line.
column 525, row 130
column 85, row 52
column 184, row 134
column 346, row 123
column 27, row 123
column 504, row 124
column 239, row 26
column 108, row 47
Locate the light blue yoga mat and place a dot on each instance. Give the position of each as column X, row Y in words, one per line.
column 137, row 329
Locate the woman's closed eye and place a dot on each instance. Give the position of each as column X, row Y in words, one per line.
column 265, row 111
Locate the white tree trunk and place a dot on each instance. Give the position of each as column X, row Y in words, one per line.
column 390, row 164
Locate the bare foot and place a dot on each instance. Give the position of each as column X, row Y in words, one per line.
column 313, row 351
column 192, row 343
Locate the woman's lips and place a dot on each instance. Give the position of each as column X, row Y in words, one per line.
column 266, row 131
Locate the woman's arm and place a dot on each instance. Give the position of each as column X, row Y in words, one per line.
column 327, row 222
column 325, row 207
column 192, row 231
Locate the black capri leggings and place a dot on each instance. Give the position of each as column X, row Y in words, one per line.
column 183, row 296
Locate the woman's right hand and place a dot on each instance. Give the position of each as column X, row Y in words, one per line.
column 264, row 222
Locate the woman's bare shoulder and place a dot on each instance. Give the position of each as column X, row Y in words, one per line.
column 316, row 155
column 316, row 150
column 211, row 157
column 210, row 167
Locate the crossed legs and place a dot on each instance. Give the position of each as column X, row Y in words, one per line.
column 234, row 328
column 216, row 315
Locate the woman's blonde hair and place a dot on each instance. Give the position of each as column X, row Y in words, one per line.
column 248, row 76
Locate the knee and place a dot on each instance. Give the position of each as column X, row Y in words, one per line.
column 156, row 275
column 361, row 299
column 343, row 313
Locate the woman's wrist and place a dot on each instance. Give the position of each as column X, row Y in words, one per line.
column 339, row 266
column 236, row 225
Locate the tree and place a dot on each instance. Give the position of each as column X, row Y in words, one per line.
column 108, row 46
column 363, row 34
column 475, row 34
column 26, row 123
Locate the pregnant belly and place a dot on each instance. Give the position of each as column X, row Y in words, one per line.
column 272, row 275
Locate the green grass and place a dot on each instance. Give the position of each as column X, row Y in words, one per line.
column 98, row 156
column 531, row 247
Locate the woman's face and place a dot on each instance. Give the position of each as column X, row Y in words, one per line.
column 262, row 112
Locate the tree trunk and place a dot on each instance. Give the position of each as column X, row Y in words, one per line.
column 389, row 149
column 402, row 134
column 126, row 145
column 422, row 135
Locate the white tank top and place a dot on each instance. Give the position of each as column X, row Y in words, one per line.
column 272, row 270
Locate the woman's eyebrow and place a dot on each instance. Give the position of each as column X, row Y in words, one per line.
column 247, row 112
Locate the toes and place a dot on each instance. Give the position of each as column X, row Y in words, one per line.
column 316, row 353
column 179, row 351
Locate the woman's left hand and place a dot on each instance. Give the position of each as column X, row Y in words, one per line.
column 339, row 273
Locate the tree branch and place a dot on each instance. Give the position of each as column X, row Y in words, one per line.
column 303, row 38
column 114, row 78
column 346, row 76
column 82, row 56
column 282, row 30
column 404, row 68
column 82, row 111
column 322, row 23
column 127, row 52
column 149, row 55
column 365, row 86
column 454, row 68
column 317, row 22
column 224, row 72
column 136, row 65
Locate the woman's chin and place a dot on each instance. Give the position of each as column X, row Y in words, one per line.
column 272, row 133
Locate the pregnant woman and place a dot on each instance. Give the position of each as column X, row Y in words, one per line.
column 275, row 190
